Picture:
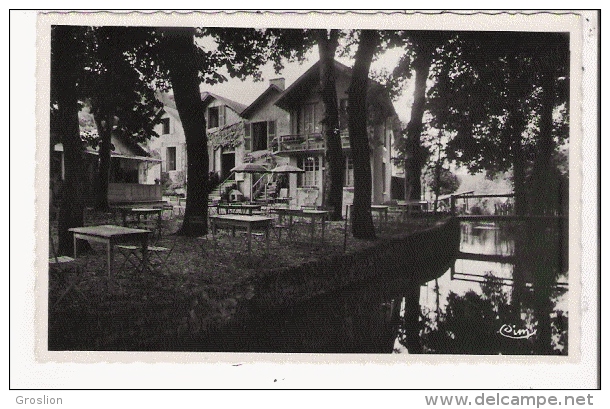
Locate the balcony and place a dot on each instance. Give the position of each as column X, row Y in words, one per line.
column 304, row 143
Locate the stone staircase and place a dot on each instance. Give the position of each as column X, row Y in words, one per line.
column 263, row 196
column 216, row 193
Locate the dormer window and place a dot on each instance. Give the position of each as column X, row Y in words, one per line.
column 213, row 117
column 216, row 117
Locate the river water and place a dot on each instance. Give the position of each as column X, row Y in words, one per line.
column 505, row 293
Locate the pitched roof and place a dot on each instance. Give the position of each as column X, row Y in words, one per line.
column 293, row 95
column 207, row 97
column 272, row 93
column 132, row 145
column 168, row 101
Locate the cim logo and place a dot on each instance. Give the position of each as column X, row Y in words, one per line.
column 511, row 331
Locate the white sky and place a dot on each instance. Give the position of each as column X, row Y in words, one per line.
column 247, row 91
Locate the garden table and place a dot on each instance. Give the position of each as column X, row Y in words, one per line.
column 408, row 208
column 237, row 208
column 306, row 213
column 111, row 235
column 382, row 210
column 242, row 221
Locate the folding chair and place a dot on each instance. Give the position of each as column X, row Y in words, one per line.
column 133, row 254
column 204, row 241
column 303, row 222
column 168, row 207
column 161, row 254
column 277, row 227
column 67, row 271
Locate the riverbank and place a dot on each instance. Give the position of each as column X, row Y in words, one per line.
column 204, row 291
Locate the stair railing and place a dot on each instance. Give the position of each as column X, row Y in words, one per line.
column 222, row 185
column 258, row 186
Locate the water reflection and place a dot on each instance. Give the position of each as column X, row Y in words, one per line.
column 506, row 293
column 363, row 318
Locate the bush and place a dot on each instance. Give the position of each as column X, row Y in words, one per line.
column 476, row 210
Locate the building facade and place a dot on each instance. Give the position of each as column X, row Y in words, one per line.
column 304, row 145
column 282, row 126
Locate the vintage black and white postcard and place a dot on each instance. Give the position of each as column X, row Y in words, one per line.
column 369, row 192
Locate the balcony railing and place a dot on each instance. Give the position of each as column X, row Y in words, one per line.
column 304, row 142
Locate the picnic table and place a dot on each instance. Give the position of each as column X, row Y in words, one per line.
column 111, row 235
column 248, row 222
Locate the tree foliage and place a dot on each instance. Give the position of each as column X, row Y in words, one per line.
column 120, row 84
column 496, row 93
column 421, row 48
column 442, row 181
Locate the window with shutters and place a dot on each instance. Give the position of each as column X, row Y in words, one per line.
column 247, row 137
column 309, row 118
column 259, row 136
column 170, row 160
column 271, row 133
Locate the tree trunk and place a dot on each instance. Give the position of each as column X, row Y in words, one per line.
column 514, row 125
column 362, row 220
column 64, row 66
column 544, row 151
column 104, row 109
column 414, row 160
column 179, row 56
column 407, row 183
column 104, row 120
column 334, row 159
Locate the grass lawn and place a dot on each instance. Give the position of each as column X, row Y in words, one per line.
column 200, row 289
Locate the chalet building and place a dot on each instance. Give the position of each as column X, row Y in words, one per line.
column 304, row 144
column 282, row 126
column 237, row 133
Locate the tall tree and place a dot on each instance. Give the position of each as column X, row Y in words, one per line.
column 439, row 177
column 551, row 58
column 181, row 56
column 362, row 226
column 421, row 52
column 328, row 41
column 121, row 92
column 424, row 46
column 67, row 51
